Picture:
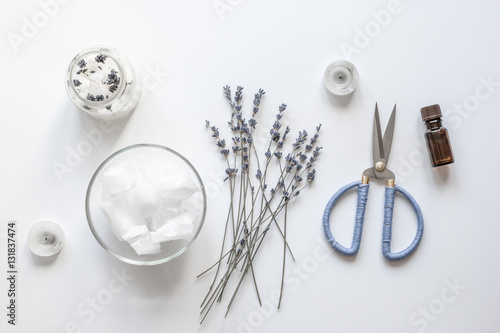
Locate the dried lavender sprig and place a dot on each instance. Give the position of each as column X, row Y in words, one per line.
column 231, row 171
column 253, row 238
column 261, row 236
column 246, row 184
column 311, row 176
column 284, row 259
column 301, row 139
column 216, row 296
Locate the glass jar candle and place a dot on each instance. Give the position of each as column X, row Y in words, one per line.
column 102, row 82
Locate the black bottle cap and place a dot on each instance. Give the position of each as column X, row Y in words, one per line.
column 431, row 112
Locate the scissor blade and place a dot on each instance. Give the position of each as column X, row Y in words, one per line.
column 388, row 135
column 378, row 145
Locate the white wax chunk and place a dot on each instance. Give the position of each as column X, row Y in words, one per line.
column 117, row 179
column 180, row 227
column 147, row 168
column 120, row 216
column 144, row 245
column 161, row 216
column 193, row 204
column 177, row 184
column 147, row 204
column 135, row 232
column 172, row 204
column 144, row 200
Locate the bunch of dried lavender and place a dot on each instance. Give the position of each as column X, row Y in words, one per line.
column 254, row 207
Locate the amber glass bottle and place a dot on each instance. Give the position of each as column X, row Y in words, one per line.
column 436, row 136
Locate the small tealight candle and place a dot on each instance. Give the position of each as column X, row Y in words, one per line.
column 101, row 82
column 341, row 77
column 45, row 239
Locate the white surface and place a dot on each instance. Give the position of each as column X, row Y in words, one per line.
column 429, row 52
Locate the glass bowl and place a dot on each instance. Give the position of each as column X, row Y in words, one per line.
column 145, row 193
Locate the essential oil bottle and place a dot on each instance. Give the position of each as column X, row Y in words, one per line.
column 436, row 136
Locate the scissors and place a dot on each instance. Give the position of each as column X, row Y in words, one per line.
column 379, row 170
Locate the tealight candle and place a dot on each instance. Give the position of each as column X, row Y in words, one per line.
column 45, row 238
column 101, row 82
column 341, row 77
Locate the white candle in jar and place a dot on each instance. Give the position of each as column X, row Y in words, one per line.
column 101, row 82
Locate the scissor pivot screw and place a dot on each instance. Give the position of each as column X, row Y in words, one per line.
column 380, row 166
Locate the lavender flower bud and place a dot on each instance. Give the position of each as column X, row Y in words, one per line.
column 221, row 143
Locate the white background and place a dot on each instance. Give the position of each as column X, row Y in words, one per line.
column 422, row 53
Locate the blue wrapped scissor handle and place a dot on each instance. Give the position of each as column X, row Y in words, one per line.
column 390, row 193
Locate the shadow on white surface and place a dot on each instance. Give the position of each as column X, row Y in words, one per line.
column 44, row 261
column 441, row 175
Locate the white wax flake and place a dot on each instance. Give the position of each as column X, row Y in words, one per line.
column 194, row 203
column 119, row 215
column 116, row 179
column 147, row 205
column 144, row 200
column 180, row 227
column 161, row 216
column 145, row 245
column 179, row 186
column 135, row 232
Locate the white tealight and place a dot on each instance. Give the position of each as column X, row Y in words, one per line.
column 45, row 238
column 341, row 77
